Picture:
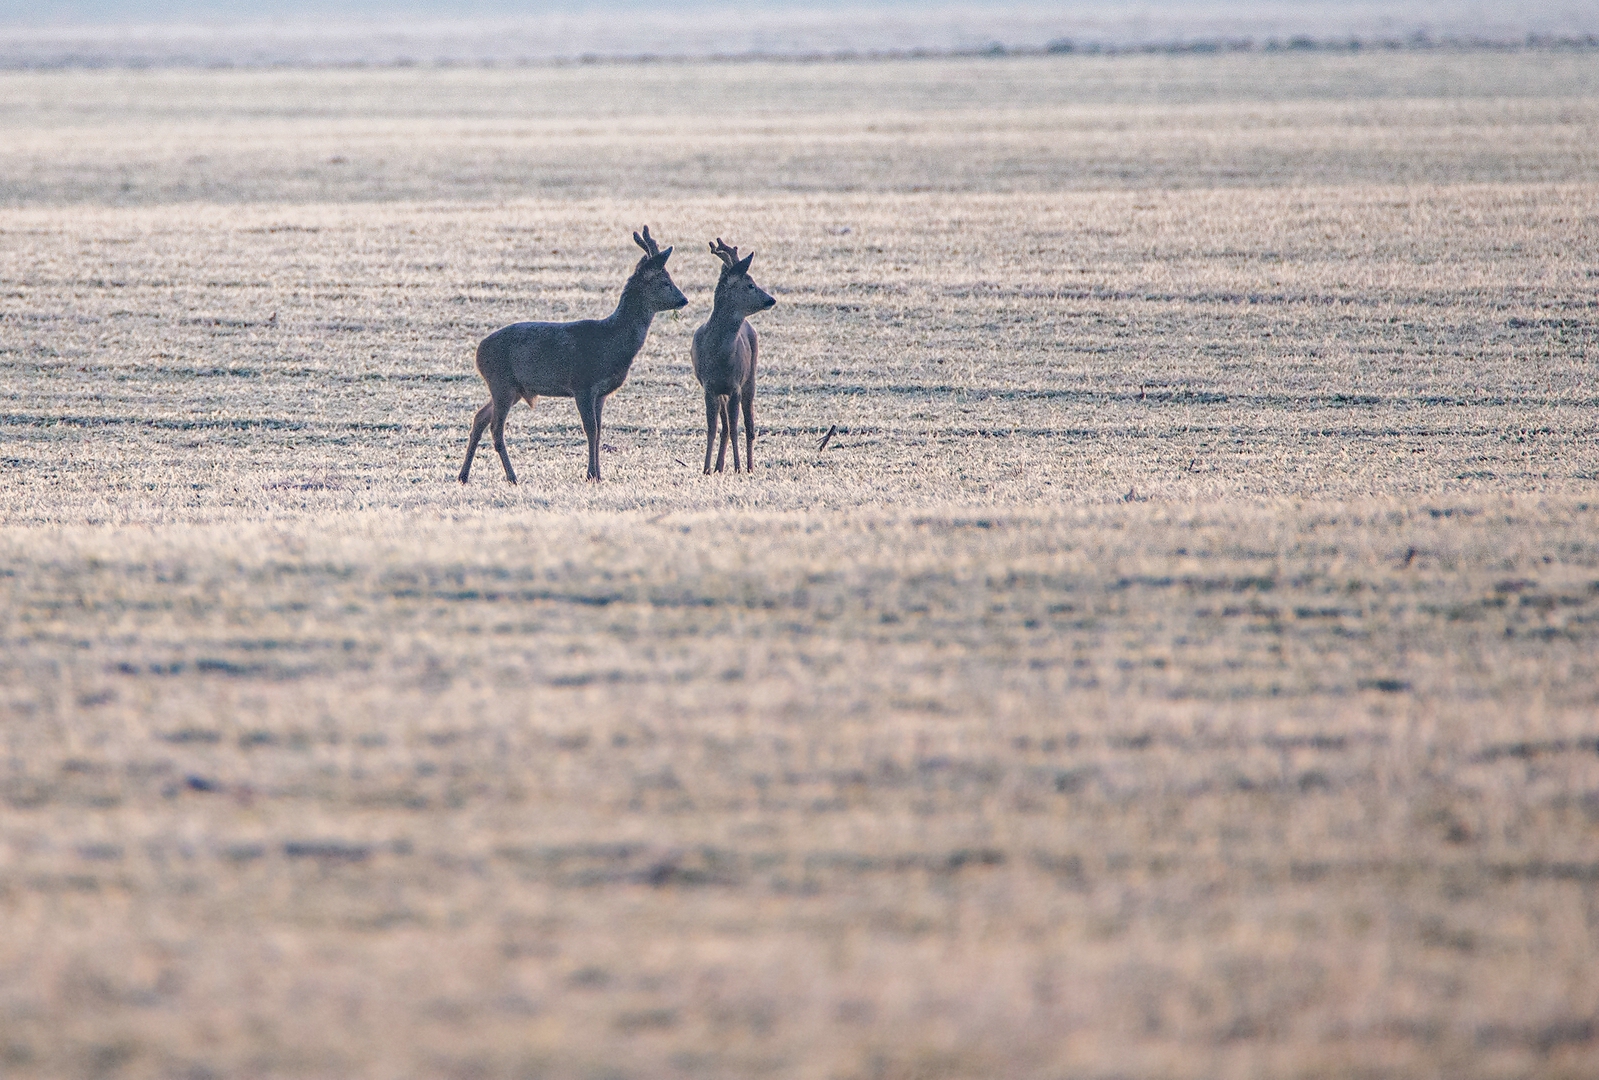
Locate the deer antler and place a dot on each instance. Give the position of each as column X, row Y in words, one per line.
column 647, row 242
column 728, row 255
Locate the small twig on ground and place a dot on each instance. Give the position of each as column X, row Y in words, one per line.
column 830, row 433
column 681, row 462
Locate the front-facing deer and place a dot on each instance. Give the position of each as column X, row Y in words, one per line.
column 724, row 356
column 583, row 360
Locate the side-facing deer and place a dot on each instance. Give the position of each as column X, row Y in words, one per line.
column 583, row 360
column 724, row 353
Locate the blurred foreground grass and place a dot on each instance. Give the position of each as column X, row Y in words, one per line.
column 1283, row 789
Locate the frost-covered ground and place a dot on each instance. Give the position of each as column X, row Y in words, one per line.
column 1182, row 663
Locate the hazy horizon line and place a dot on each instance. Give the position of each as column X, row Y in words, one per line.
column 575, row 31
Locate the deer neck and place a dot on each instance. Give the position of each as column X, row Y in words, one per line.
column 724, row 323
column 632, row 316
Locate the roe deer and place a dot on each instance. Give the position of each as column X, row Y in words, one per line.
column 584, row 360
column 724, row 357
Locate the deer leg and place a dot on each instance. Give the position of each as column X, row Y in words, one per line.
column 497, row 429
column 732, row 424
column 749, row 429
column 588, row 408
column 721, row 451
column 713, row 413
column 479, row 422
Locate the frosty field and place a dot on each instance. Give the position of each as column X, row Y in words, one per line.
column 1182, row 662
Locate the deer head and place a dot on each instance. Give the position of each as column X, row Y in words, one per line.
column 735, row 288
column 650, row 274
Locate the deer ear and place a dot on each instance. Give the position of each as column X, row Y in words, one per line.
column 639, row 240
column 660, row 259
column 743, row 266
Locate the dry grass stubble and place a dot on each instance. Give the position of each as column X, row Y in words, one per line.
column 1181, row 791
column 1181, row 664
column 185, row 363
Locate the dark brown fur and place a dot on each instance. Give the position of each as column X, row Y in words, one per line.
column 584, row 360
column 724, row 354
